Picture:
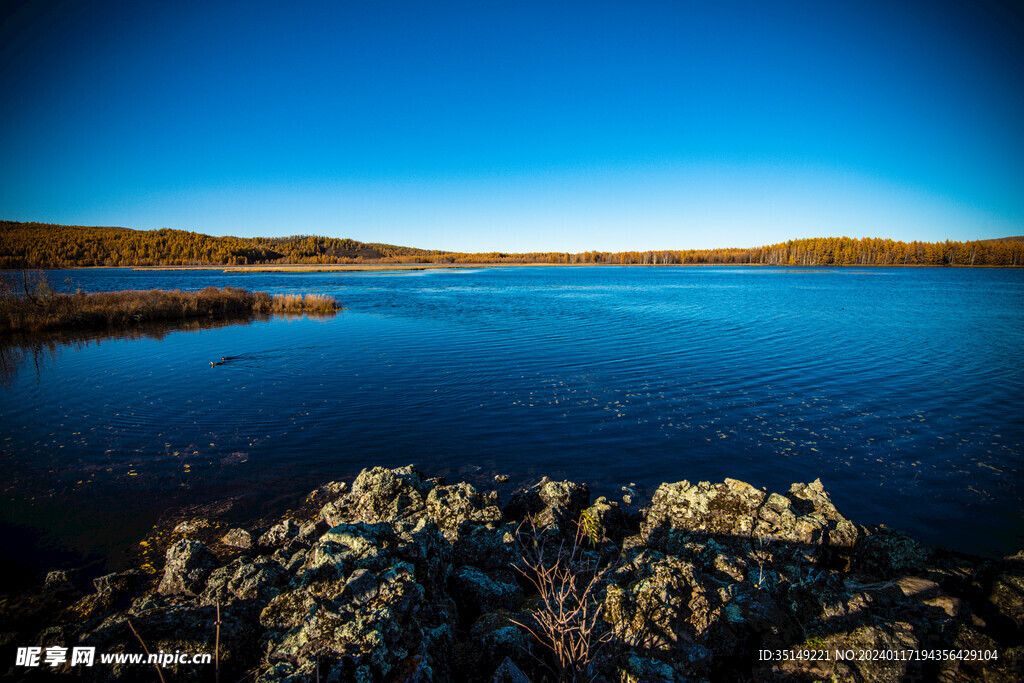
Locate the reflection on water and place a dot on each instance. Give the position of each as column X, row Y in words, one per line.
column 900, row 390
column 18, row 350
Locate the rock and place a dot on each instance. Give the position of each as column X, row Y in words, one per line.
column 738, row 510
column 413, row 581
column 260, row 580
column 659, row 608
column 886, row 553
column 182, row 628
column 336, row 512
column 332, row 490
column 501, row 478
column 549, row 503
column 508, row 672
column 1007, row 595
column 819, row 522
column 452, row 506
column 606, row 520
column 190, row 526
column 430, row 553
column 237, row 538
column 486, row 548
column 62, row 579
column 496, row 639
column 476, row 592
column 279, row 534
column 119, row 583
column 726, row 509
column 188, row 564
column 383, row 495
column 887, row 637
column 311, row 531
column 361, row 587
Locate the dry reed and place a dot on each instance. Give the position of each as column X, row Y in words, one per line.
column 34, row 307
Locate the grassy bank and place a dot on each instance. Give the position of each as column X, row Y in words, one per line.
column 35, row 308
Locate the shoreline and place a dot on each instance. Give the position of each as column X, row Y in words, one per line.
column 397, row 575
column 386, row 267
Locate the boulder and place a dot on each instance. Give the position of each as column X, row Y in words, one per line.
column 279, row 534
column 735, row 509
column 237, row 538
column 188, row 565
column 387, row 495
column 556, row 504
column 477, row 592
column 452, row 506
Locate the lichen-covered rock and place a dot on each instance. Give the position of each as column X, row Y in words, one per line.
column 662, row 606
column 891, row 637
column 413, row 581
column 508, row 672
column 550, row 503
column 476, row 592
column 727, row 509
column 818, row 521
column 493, row 638
column 378, row 624
column 339, row 552
column 1007, row 594
column 606, row 520
column 486, row 548
column 237, row 538
column 887, row 553
column 176, row 628
column 428, row 550
column 387, row 495
column 452, row 506
column 188, row 564
column 279, row 534
column 738, row 510
column 61, row 579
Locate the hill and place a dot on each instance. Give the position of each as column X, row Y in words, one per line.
column 43, row 245
column 40, row 245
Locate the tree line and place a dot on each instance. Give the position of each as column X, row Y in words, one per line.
column 40, row 245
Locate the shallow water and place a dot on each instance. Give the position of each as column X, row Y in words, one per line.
column 900, row 388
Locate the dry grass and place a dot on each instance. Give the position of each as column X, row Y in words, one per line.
column 31, row 306
column 309, row 303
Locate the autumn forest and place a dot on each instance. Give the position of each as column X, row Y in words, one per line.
column 39, row 245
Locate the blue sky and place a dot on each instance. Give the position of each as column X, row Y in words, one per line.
column 517, row 126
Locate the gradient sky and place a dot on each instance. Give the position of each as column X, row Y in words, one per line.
column 518, row 126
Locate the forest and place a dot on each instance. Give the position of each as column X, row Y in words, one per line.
column 41, row 245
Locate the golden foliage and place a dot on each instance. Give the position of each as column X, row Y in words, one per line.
column 37, row 245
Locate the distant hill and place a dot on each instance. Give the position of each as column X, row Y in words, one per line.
column 41, row 245
column 1018, row 238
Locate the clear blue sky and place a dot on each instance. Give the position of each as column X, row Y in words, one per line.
column 517, row 126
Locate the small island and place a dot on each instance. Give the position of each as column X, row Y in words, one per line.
column 34, row 307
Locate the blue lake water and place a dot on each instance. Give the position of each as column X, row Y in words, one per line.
column 902, row 389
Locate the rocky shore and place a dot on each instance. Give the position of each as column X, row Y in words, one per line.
column 398, row 577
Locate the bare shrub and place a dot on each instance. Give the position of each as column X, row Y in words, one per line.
column 569, row 581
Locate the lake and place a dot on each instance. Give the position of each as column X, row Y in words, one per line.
column 902, row 389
